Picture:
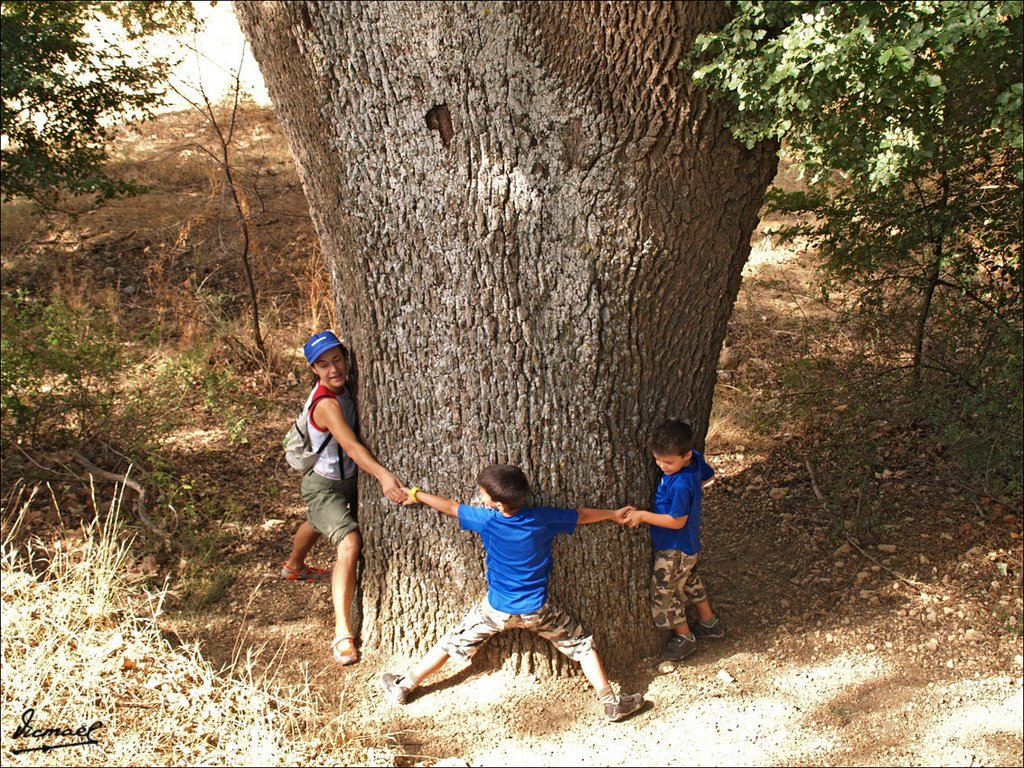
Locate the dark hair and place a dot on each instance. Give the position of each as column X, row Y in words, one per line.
column 506, row 484
column 672, row 436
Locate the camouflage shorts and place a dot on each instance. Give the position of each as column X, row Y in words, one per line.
column 550, row 622
column 674, row 584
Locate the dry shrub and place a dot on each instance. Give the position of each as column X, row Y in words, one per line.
column 82, row 645
column 18, row 221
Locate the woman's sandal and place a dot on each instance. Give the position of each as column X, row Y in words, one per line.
column 344, row 649
column 306, row 573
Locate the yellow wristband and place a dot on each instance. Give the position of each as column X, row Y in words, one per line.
column 412, row 493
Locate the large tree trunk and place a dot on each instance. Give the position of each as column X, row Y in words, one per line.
column 536, row 229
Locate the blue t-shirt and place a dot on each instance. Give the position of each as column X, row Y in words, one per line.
column 518, row 552
column 679, row 495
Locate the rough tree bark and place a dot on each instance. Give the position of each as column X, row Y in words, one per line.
column 536, row 228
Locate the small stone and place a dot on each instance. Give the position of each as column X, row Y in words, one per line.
column 973, row 634
column 665, row 667
column 889, row 548
column 932, row 644
column 725, row 677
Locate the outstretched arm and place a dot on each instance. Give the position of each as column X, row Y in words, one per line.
column 588, row 515
column 440, row 503
column 329, row 413
column 637, row 516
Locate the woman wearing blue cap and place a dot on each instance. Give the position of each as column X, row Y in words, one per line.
column 329, row 488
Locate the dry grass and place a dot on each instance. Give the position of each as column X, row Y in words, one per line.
column 81, row 646
column 17, row 222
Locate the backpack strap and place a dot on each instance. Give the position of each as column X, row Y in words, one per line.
column 309, row 416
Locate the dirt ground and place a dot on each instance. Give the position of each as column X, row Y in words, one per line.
column 898, row 644
column 862, row 653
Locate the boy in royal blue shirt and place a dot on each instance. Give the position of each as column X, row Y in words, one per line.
column 517, row 540
column 675, row 538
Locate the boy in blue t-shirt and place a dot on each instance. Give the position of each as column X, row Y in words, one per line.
column 517, row 540
column 675, row 538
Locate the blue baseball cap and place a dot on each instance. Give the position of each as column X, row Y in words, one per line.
column 319, row 343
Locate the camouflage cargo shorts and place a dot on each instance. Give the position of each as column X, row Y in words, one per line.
column 674, row 585
column 550, row 622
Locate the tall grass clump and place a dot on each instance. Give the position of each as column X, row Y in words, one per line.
column 82, row 646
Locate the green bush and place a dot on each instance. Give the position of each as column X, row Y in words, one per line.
column 219, row 387
column 58, row 374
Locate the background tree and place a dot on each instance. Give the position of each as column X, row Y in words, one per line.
column 906, row 119
column 536, row 228
column 65, row 86
column 223, row 132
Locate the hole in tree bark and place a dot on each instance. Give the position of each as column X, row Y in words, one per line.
column 438, row 119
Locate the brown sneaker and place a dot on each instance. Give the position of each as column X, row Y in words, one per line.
column 625, row 704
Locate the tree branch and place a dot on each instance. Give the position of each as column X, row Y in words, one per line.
column 140, row 502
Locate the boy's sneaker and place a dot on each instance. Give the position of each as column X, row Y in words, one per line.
column 397, row 693
column 714, row 632
column 624, row 705
column 678, row 647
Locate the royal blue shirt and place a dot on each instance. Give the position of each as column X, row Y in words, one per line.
column 679, row 495
column 518, row 552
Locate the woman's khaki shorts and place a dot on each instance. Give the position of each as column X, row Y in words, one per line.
column 331, row 505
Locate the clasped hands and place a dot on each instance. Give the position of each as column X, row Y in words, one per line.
column 629, row 516
column 394, row 489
